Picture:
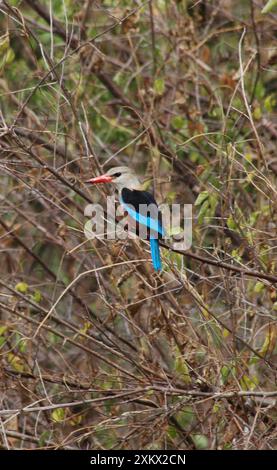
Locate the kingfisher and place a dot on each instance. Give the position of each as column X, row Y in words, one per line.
column 140, row 206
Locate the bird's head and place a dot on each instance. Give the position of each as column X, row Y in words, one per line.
column 120, row 176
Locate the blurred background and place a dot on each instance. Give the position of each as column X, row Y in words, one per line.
column 96, row 350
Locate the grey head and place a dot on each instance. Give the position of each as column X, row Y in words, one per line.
column 123, row 177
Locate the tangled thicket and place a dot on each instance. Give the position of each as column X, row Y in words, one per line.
column 97, row 351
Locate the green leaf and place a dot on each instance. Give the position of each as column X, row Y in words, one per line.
column 213, row 203
column 269, row 342
column 76, row 420
column 16, row 362
column 3, row 329
column 254, row 360
column 106, row 436
column 216, row 408
column 257, row 113
column 22, row 346
column 159, row 86
column 44, row 438
column 200, row 355
column 174, row 231
column 53, row 338
column 248, row 156
column 4, row 43
column 231, row 224
column 208, row 202
column 178, row 122
column 22, row 287
column 259, row 287
column 249, row 383
column 225, row 333
column 201, row 198
column 270, row 103
column 58, row 415
column 203, row 211
column 200, row 441
column 181, row 368
column 36, row 296
column 170, row 197
column 236, row 254
column 269, row 6
column 225, row 372
column 172, row 432
column 185, row 417
column 10, row 55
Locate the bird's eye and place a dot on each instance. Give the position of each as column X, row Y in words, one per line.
column 117, row 175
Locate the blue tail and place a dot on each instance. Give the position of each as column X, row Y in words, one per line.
column 155, row 254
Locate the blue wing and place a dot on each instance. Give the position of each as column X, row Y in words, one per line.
column 148, row 221
column 131, row 200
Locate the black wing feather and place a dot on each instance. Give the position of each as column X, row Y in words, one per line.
column 134, row 198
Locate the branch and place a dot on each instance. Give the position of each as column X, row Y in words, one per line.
column 221, row 264
column 111, row 86
column 38, row 139
column 168, row 391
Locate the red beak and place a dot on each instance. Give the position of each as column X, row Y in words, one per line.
column 100, row 179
